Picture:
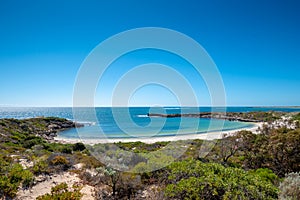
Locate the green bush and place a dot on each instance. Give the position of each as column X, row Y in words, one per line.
column 16, row 176
column 67, row 150
column 57, row 147
column 266, row 175
column 31, row 141
column 61, row 192
column 7, row 189
column 59, row 160
column 195, row 180
column 41, row 167
column 78, row 146
column 89, row 161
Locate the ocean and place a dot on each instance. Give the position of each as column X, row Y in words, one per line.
column 133, row 122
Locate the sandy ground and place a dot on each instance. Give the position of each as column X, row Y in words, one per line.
column 203, row 136
column 44, row 187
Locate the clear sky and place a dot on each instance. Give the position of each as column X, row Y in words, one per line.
column 254, row 43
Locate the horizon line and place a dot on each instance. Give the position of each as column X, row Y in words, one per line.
column 132, row 106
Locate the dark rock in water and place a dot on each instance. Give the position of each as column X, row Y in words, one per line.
column 78, row 125
column 65, row 125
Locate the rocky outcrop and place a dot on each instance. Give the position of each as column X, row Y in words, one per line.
column 15, row 130
column 55, row 125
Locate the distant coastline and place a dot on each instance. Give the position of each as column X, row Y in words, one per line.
column 207, row 115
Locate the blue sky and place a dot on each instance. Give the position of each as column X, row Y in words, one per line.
column 255, row 45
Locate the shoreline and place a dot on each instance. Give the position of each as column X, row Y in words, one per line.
column 203, row 136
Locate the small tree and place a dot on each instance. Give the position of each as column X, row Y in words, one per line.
column 228, row 147
column 113, row 177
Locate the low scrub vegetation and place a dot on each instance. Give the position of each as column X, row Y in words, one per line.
column 241, row 166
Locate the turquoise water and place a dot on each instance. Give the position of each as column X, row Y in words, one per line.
column 133, row 122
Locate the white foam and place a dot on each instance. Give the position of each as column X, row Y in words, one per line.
column 86, row 123
column 171, row 108
column 142, row 116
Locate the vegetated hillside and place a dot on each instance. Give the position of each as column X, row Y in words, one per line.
column 27, row 157
column 16, row 131
column 242, row 166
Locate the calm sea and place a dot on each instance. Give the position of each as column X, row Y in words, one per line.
column 133, row 121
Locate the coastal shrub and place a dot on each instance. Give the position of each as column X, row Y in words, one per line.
column 266, row 175
column 32, row 141
column 89, row 161
column 193, row 147
column 116, row 156
column 9, row 144
column 59, row 162
column 2, row 123
column 290, row 187
column 122, row 185
column 41, row 167
column 151, row 161
column 50, row 146
column 55, row 147
column 7, row 189
column 192, row 179
column 62, row 192
column 52, row 119
column 15, row 177
column 276, row 149
column 18, row 175
column 18, row 135
column 140, row 168
column 66, row 149
column 263, row 116
column 39, row 151
column 10, row 148
column 27, row 179
column 283, row 149
column 4, row 162
column 140, row 147
column 78, row 146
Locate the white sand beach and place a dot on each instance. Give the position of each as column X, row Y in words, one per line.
column 149, row 140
